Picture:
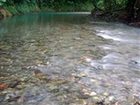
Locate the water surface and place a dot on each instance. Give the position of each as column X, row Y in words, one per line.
column 68, row 59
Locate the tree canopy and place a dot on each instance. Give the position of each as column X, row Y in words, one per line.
column 108, row 6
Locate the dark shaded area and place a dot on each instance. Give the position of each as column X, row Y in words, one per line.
column 127, row 11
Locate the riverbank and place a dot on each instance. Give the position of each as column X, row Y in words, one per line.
column 4, row 13
column 27, row 7
column 118, row 16
column 8, row 11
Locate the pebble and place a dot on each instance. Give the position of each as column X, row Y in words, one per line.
column 9, row 90
column 96, row 98
column 12, row 97
column 82, row 75
column 111, row 98
column 85, row 90
column 14, row 84
column 88, row 59
column 24, row 79
column 53, row 87
column 20, row 87
column 106, row 94
column 93, row 80
column 82, row 102
column 93, row 94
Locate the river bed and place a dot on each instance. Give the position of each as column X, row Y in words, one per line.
column 68, row 59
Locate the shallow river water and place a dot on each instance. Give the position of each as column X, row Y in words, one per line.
column 68, row 59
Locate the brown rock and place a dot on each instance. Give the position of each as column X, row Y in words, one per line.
column 3, row 86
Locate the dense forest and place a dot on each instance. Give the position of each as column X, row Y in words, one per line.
column 126, row 9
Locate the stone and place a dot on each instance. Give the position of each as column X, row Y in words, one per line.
column 93, row 94
column 106, row 94
column 111, row 98
column 96, row 98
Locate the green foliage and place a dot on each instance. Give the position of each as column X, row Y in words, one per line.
column 2, row 2
column 23, row 6
column 109, row 5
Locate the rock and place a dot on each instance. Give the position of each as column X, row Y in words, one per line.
column 137, row 103
column 106, row 94
column 24, row 79
column 83, row 96
column 12, row 97
column 40, row 75
column 93, row 94
column 96, row 98
column 3, row 86
column 93, row 80
column 47, row 101
column 13, row 84
column 82, row 102
column 53, row 88
column 77, row 38
column 19, row 87
column 88, row 59
column 58, row 81
column 87, row 92
column 1, row 98
column 100, row 103
column 111, row 98
column 82, row 75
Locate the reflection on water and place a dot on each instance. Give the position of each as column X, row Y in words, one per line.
column 64, row 59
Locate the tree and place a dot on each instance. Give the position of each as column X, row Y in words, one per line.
column 2, row 2
column 132, row 8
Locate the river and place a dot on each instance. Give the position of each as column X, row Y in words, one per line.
column 68, row 59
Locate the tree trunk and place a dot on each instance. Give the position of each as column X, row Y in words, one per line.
column 130, row 9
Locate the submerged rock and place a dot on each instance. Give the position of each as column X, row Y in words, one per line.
column 12, row 96
column 3, row 86
column 40, row 75
column 13, row 84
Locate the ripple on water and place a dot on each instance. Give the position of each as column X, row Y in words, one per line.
column 79, row 66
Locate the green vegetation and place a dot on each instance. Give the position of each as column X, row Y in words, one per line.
column 106, row 6
column 23, row 6
column 109, row 5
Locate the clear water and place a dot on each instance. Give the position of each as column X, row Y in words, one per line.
column 81, row 61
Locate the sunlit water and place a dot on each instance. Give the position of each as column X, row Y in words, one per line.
column 84, row 62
